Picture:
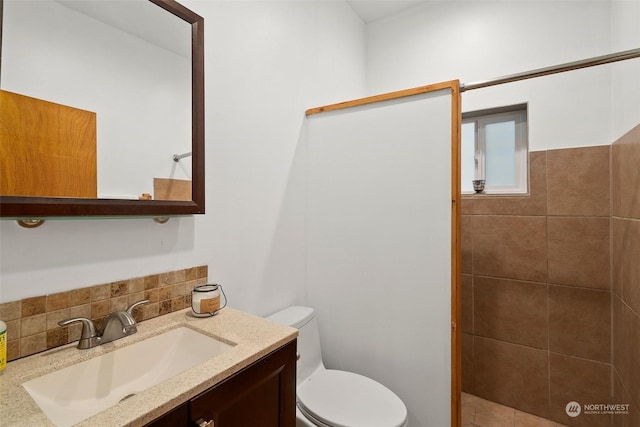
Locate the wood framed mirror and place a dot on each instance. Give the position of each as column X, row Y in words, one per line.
column 37, row 206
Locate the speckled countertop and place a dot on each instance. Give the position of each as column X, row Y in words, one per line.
column 252, row 337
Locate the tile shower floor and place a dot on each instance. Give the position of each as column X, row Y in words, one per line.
column 477, row 412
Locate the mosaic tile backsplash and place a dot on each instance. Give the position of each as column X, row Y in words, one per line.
column 32, row 323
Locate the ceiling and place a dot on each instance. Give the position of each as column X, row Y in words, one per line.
column 372, row 10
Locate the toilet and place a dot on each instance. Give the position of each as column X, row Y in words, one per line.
column 332, row 398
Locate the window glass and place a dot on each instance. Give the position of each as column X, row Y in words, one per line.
column 500, row 152
column 495, row 148
column 467, row 160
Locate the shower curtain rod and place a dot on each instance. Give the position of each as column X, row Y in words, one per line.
column 561, row 68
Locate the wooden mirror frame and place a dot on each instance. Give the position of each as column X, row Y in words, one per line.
column 49, row 207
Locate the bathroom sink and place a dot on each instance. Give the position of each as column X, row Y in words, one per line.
column 80, row 391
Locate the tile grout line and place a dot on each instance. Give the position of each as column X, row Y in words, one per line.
column 546, row 169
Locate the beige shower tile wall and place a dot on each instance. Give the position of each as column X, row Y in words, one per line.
column 536, row 303
column 577, row 255
column 32, row 323
column 626, row 274
column 578, row 182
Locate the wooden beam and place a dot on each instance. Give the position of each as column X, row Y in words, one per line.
column 386, row 97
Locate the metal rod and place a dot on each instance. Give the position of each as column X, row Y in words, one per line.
column 561, row 68
column 177, row 157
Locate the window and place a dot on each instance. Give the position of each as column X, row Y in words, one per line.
column 495, row 148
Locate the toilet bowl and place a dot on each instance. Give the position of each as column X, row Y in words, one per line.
column 332, row 398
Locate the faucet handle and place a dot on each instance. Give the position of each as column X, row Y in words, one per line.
column 88, row 337
column 135, row 304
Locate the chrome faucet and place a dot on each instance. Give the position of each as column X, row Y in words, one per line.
column 116, row 325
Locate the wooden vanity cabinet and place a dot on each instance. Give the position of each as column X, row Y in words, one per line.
column 176, row 417
column 261, row 395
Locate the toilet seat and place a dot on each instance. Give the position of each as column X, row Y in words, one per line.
column 345, row 399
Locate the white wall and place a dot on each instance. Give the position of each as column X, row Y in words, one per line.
column 475, row 41
column 625, row 34
column 266, row 62
column 379, row 246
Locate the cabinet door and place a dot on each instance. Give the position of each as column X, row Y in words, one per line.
column 261, row 395
column 175, row 418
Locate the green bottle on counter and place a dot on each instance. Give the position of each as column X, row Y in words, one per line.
column 3, row 345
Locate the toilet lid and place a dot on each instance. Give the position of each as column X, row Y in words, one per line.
column 346, row 399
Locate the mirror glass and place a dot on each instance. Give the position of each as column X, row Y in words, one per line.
column 130, row 63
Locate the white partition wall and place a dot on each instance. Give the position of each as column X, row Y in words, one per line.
column 379, row 248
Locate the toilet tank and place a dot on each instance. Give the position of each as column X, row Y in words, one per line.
column 303, row 319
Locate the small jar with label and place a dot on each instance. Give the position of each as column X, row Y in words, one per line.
column 205, row 300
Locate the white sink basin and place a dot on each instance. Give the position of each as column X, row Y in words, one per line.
column 80, row 391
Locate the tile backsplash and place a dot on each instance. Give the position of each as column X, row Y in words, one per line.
column 32, row 323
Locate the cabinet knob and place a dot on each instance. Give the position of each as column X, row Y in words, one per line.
column 203, row 423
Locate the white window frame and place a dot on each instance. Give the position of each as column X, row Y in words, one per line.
column 518, row 114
